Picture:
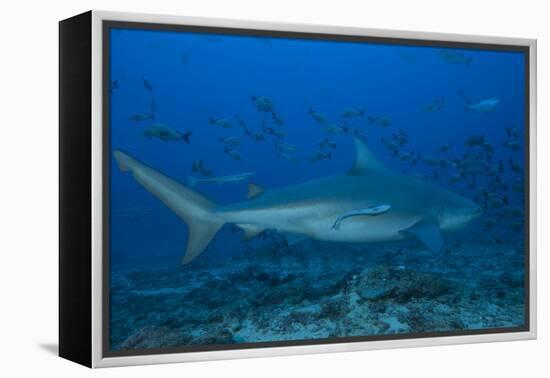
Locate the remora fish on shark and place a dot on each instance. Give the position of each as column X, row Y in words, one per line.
column 415, row 208
column 192, row 181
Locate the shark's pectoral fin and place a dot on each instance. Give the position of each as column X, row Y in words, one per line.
column 428, row 232
column 292, row 239
column 254, row 191
column 250, row 231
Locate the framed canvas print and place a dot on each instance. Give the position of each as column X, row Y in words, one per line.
column 237, row 189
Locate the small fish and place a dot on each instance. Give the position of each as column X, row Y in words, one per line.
column 264, row 41
column 253, row 135
column 381, row 121
column 185, row 57
column 455, row 57
column 155, row 45
column 518, row 225
column 287, row 156
column 232, row 153
column 166, row 133
column 485, row 106
column 490, row 223
column 221, row 122
column 147, row 84
column 406, row 56
column 240, row 121
column 475, row 140
column 334, row 129
column 353, row 112
column 430, row 160
column 153, row 106
column 512, row 132
column 257, row 136
column 113, row 84
column 138, row 117
column 445, row 147
column 325, row 143
column 212, row 39
column 230, row 141
column 515, row 166
column 435, row 105
column 488, row 147
column 401, row 137
column 515, row 212
column 267, row 130
column 319, row 156
column 500, row 166
column 511, row 145
column 279, row 133
column 351, row 130
column 277, row 119
column 317, row 117
column 288, row 147
column 455, row 179
column 263, row 104
column 220, row 179
column 370, row 211
column 198, row 166
column 406, row 156
column 518, row 187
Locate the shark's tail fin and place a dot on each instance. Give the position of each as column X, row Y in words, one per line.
column 195, row 209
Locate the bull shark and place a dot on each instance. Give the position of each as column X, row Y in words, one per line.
column 406, row 207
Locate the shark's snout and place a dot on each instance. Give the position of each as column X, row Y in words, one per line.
column 469, row 212
column 460, row 213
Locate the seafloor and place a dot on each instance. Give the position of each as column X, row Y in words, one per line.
column 318, row 290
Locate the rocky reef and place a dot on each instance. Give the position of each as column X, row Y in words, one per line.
column 318, row 290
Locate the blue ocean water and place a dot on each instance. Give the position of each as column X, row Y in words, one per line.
column 454, row 117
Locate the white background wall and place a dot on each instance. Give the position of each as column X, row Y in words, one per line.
column 28, row 185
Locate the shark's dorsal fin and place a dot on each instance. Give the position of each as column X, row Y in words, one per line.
column 428, row 232
column 254, row 190
column 365, row 161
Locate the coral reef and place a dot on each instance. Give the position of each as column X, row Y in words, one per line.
column 318, row 290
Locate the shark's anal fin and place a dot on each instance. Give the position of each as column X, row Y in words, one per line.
column 250, row 231
column 369, row 211
column 365, row 161
column 254, row 191
column 428, row 232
